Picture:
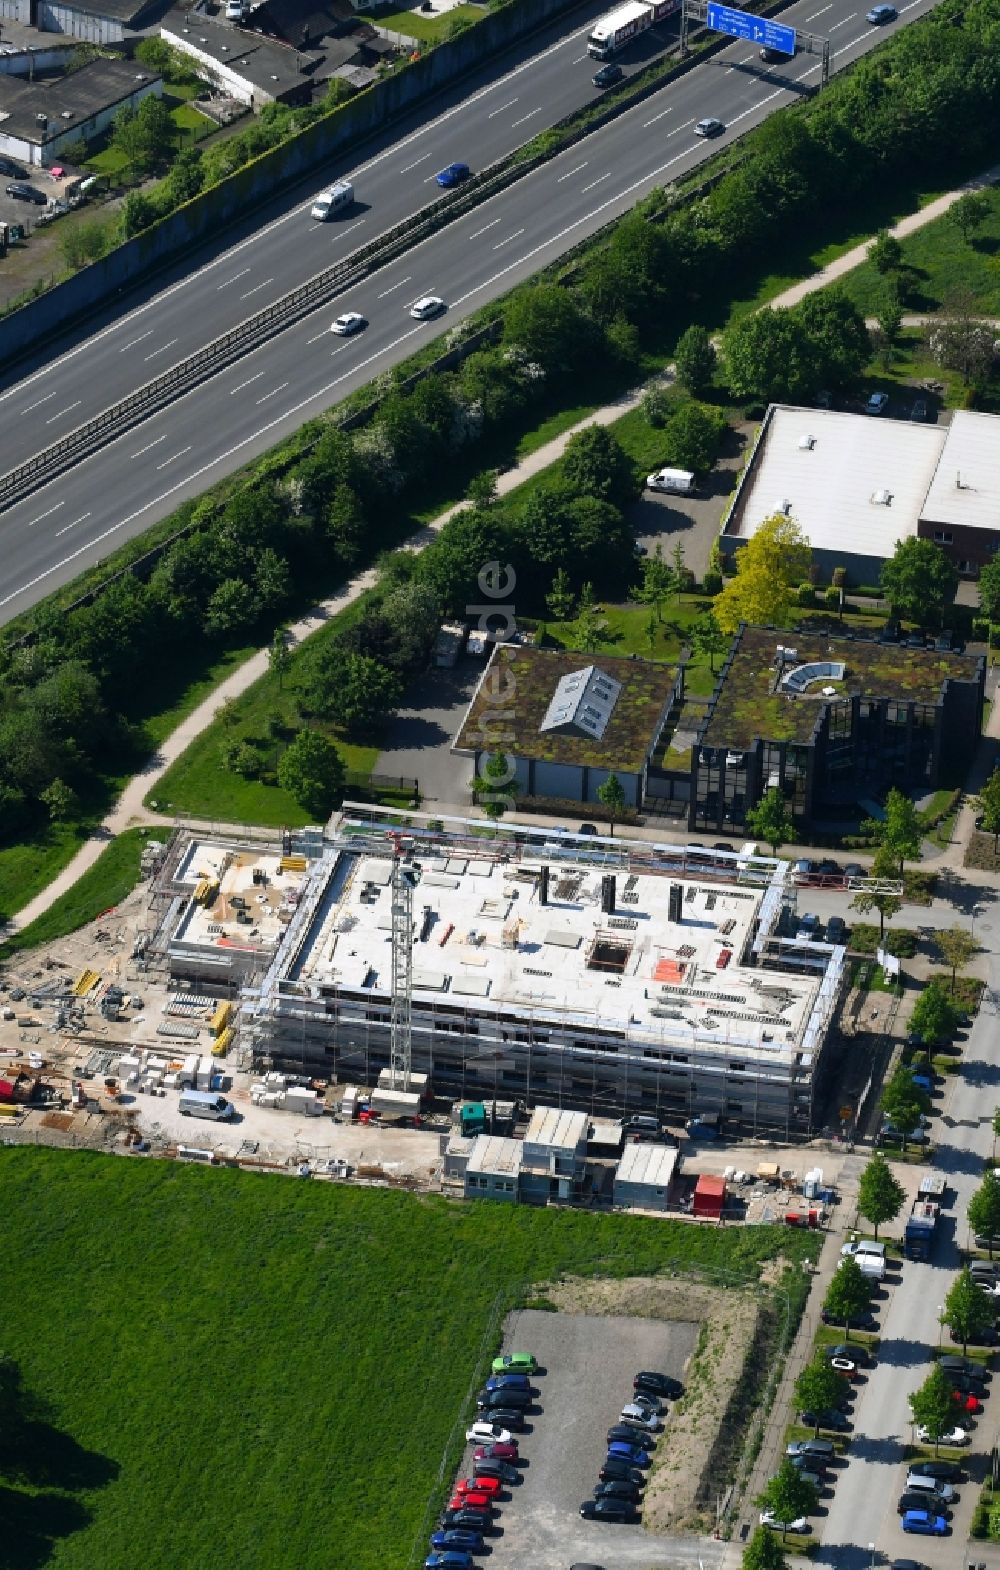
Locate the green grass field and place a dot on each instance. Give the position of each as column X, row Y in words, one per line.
column 261, row 1373
column 113, row 875
column 944, row 264
column 412, row 23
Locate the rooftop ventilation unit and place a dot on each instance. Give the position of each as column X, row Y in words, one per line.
column 882, row 498
column 784, row 507
column 807, row 443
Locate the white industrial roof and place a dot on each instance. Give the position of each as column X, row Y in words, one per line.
column 651, row 1165
column 965, row 489
column 555, row 1127
column 493, row 1154
column 825, row 469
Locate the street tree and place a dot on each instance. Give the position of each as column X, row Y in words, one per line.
column 989, row 806
column 886, row 905
column 984, row 1209
column 968, row 1312
column 969, row 213
column 934, row 1017
column 560, row 599
column 771, row 820
column 818, row 1388
column 708, row 638
column 312, row 770
column 989, row 589
column 849, row 1294
column 596, row 464
column 903, row 1103
column 769, row 568
column 692, row 437
column 885, row 252
column 996, row 1132
column 657, row 581
column 495, row 786
column 279, row 655
column 880, row 1196
column 612, row 796
column 695, row 359
column 956, row 947
column 933, row 1406
column 919, row 579
column 764, row 1552
column 899, row 833
column 841, row 346
column 788, row 1495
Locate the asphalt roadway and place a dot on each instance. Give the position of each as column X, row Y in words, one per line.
column 78, row 518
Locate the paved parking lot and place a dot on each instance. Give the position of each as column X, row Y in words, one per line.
column 421, row 733
column 589, row 1363
column 693, row 520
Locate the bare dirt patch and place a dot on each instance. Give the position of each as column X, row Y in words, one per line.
column 681, row 1491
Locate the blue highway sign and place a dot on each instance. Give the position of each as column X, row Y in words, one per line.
column 755, row 29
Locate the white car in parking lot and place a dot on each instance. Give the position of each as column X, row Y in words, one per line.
column 487, row 1434
column 641, row 1417
column 800, row 1524
column 954, row 1436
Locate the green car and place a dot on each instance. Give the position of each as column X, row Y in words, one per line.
column 514, row 1363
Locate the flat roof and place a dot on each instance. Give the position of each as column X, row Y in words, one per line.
column 651, row 1165
column 496, row 1155
column 485, row 946
column 67, row 99
column 229, row 871
column 965, row 490
column 557, row 1128
column 750, row 703
column 826, row 469
column 533, row 675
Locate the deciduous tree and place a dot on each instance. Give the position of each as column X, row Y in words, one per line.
column 657, row 581
column 899, row 833
column 818, row 1388
column 279, row 655
column 708, row 638
column 764, row 1552
column 968, row 1312
column 596, row 464
column 956, row 947
column 885, row 252
column 612, row 796
column 933, row 1406
column 934, row 1017
column 788, row 1495
column 969, row 213
column 989, row 590
column 771, row 820
column 984, row 1209
column 880, row 1196
column 919, row 579
column 560, row 598
column 775, row 559
column 849, row 1293
column 312, row 770
column 695, row 359
column 495, row 786
column 989, row 806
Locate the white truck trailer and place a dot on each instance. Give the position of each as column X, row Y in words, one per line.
column 613, row 31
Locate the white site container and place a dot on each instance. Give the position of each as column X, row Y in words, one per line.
column 188, row 1074
column 205, row 1069
column 299, row 1099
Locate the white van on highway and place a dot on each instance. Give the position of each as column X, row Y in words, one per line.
column 332, row 201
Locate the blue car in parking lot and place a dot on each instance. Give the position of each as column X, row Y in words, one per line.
column 924, row 1523
column 508, row 1382
column 633, row 1454
column 451, row 1559
column 458, row 1537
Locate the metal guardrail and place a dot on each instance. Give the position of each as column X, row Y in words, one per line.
column 267, row 323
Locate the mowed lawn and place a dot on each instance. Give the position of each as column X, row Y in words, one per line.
column 261, row 1373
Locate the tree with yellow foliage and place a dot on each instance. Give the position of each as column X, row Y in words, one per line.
column 769, row 568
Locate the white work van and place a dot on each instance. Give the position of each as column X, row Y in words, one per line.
column 679, row 482
column 332, row 201
column 205, row 1104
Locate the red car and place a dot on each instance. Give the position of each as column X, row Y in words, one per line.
column 470, row 1501
column 479, row 1485
column 967, row 1403
column 496, row 1452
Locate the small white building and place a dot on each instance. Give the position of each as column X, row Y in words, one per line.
column 494, row 1168
column 555, row 1153
column 644, row 1176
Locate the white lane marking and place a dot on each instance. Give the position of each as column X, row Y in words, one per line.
column 82, row 518
column 842, row 23
column 235, row 278
column 167, row 461
column 149, row 446
column 48, row 514
column 572, row 172
column 599, row 181
column 343, row 233
column 161, row 349
column 578, row 59
column 255, row 378
column 268, row 395
column 421, row 160
column 501, row 243
column 647, row 123
column 134, row 341
column 38, row 405
column 69, row 407
column 822, row 12
column 226, row 258
column 477, row 232
column 392, row 289
column 508, row 105
column 316, row 339
column 755, row 106
column 213, row 463
column 530, row 115
column 255, row 288
column 909, row 7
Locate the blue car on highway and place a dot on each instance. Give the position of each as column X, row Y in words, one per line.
column 926, row 1524
column 633, row 1454
column 453, row 175
column 458, row 1537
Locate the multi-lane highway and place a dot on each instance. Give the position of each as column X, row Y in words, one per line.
column 78, row 518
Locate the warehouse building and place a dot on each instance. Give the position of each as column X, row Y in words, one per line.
column 40, row 116
column 857, row 485
column 602, row 978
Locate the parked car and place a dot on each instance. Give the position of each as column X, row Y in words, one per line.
column 850, row 1349
column 19, row 192
column 448, row 1559
column 916, row 1482
column 630, row 1434
column 619, row 1450
column 504, row 1400
column 915, row 1499
column 489, row 1470
column 466, row 1517
column 942, row 1471
column 496, row 1452
column 863, row 1245
column 966, row 1402
column 607, row 76
column 836, row 930
column 963, row 1365
column 636, row 1417
column 453, row 174
column 615, row 1471
column 508, row 1382
column 800, row 1524
column 471, row 1501
column 866, row 1321
column 922, row 1521
column 831, row 1418
column 952, row 1436
column 458, row 1537
column 608, row 1510
column 854, row 869
column 878, row 402
column 647, row 1401
column 821, row 1449
column 618, row 1488
column 9, row 167
column 514, row 1363
column 479, row 1485
column 509, row 1419
column 659, row 1384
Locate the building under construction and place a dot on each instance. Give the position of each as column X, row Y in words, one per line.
column 606, row 975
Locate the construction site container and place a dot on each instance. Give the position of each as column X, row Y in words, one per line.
column 221, row 1018
column 709, row 1197
column 395, row 1103
column 206, row 1069
column 298, row 1099
column 187, row 1075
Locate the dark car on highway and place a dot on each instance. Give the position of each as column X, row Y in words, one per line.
column 607, row 76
